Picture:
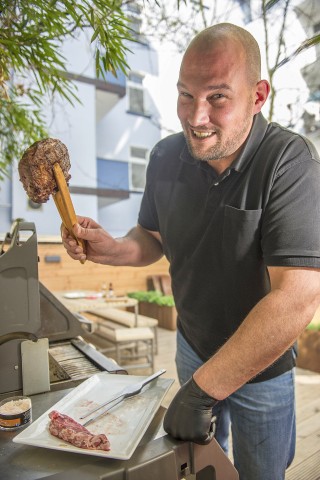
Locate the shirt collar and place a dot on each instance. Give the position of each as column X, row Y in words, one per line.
column 251, row 145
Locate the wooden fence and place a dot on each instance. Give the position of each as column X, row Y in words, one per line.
column 57, row 271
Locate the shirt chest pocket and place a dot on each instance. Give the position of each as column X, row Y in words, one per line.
column 241, row 235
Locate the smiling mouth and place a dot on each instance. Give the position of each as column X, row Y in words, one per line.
column 199, row 134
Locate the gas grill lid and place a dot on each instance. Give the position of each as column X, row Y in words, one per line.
column 26, row 305
column 57, row 322
column 19, row 286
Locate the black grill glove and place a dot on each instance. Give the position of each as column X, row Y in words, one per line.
column 189, row 416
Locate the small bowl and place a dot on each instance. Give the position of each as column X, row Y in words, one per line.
column 15, row 413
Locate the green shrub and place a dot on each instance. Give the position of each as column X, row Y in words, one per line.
column 153, row 296
column 314, row 326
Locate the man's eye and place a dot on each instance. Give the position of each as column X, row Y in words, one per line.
column 217, row 96
column 185, row 94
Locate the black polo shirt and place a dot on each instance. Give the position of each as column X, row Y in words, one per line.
column 220, row 232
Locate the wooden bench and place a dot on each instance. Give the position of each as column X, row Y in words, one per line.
column 129, row 344
column 127, row 319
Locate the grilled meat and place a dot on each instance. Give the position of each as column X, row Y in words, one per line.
column 35, row 168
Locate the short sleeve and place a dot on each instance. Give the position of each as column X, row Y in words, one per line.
column 291, row 220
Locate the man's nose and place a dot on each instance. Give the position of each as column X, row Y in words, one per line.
column 199, row 113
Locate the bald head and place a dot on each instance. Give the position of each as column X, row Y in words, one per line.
column 227, row 32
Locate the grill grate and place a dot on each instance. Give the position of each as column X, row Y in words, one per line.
column 74, row 363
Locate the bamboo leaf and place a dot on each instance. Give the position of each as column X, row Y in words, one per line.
column 97, row 62
column 308, row 43
column 31, row 35
column 94, row 36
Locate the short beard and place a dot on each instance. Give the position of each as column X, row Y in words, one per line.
column 220, row 150
column 217, row 152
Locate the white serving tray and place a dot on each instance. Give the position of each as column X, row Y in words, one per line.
column 124, row 425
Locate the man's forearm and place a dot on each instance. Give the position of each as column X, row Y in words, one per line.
column 267, row 332
column 138, row 248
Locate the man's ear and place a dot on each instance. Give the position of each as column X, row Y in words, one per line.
column 261, row 93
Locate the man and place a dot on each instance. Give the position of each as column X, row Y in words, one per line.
column 234, row 204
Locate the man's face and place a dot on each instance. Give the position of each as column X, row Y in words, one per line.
column 215, row 102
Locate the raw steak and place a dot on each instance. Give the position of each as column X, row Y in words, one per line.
column 64, row 427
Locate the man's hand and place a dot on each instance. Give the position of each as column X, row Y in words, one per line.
column 189, row 416
column 138, row 247
column 100, row 246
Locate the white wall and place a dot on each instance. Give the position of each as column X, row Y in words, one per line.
column 120, row 217
column 118, row 130
column 79, row 53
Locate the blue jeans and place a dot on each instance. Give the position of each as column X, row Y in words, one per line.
column 262, row 418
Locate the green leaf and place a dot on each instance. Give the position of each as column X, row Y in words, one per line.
column 31, row 36
column 153, row 296
column 97, row 63
column 94, row 36
column 308, row 43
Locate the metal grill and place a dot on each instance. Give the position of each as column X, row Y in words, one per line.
column 70, row 363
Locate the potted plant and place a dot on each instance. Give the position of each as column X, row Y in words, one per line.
column 154, row 304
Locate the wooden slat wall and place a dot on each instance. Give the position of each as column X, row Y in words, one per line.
column 69, row 274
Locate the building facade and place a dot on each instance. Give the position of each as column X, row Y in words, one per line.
column 109, row 135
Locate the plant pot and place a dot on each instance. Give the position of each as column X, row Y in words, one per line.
column 309, row 350
column 166, row 316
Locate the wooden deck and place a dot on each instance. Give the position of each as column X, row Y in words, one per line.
column 306, row 465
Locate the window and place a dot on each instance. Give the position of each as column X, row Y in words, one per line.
column 133, row 12
column 135, row 25
column 136, row 93
column 112, row 174
column 138, row 166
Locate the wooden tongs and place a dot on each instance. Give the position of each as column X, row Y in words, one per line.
column 64, row 204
